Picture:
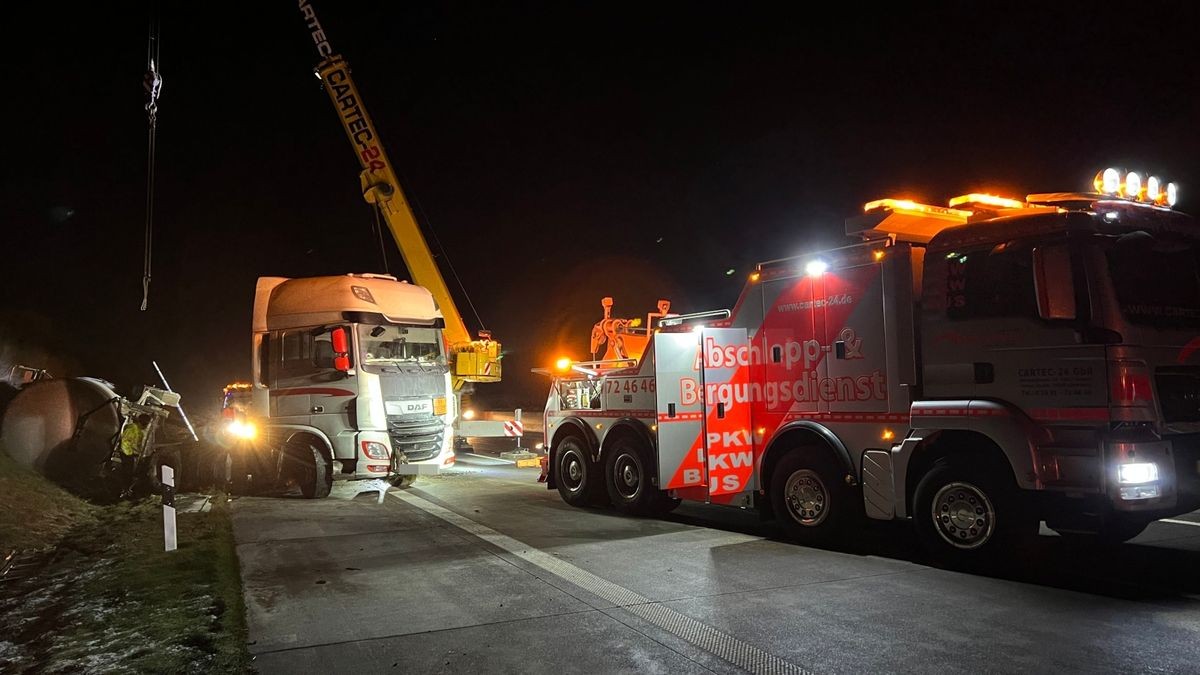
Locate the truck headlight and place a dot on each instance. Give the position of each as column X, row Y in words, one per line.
column 1140, row 472
column 243, row 430
column 374, row 450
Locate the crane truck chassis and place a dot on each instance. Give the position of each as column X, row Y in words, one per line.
column 975, row 369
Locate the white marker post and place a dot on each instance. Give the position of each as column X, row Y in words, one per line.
column 168, row 499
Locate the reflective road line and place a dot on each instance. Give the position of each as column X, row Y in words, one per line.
column 1179, row 522
column 722, row 645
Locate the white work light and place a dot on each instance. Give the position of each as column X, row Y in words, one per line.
column 1140, row 472
column 1109, row 181
column 1153, row 189
column 1133, row 185
column 816, row 268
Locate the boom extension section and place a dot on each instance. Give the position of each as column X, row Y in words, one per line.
column 472, row 360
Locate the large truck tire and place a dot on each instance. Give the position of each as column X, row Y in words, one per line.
column 810, row 497
column 402, row 481
column 171, row 457
column 307, row 466
column 967, row 511
column 580, row 480
column 629, row 469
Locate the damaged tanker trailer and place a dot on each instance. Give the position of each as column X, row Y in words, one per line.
column 70, row 430
column 350, row 381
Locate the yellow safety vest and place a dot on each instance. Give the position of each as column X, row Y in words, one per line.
column 131, row 439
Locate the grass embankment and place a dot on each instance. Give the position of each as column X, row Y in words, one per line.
column 34, row 513
column 109, row 598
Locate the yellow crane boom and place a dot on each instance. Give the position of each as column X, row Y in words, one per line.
column 471, row 360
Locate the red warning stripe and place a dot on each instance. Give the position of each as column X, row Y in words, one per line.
column 849, row 417
column 959, row 412
column 649, row 414
column 1055, row 414
column 315, row 391
column 681, row 417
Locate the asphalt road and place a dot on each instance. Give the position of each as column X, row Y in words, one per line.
column 484, row 570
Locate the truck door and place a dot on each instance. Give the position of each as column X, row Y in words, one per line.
column 728, row 445
column 793, row 362
column 309, row 389
column 854, row 335
column 680, row 410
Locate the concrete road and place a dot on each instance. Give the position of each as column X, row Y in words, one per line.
column 484, row 570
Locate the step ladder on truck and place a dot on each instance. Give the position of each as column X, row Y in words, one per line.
column 975, row 369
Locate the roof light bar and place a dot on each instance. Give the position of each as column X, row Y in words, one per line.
column 1132, row 186
column 908, row 205
column 981, row 199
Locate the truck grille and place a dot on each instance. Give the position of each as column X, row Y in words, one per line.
column 418, row 439
column 1179, row 393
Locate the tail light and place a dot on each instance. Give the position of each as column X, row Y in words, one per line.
column 1130, row 385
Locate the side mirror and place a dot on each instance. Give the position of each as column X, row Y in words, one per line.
column 1054, row 282
column 341, row 349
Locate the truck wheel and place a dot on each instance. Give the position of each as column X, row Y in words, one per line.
column 810, row 498
column 579, row 480
column 628, row 473
column 402, row 481
column 967, row 511
column 154, row 465
column 231, row 473
column 314, row 475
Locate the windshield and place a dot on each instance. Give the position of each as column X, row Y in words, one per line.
column 400, row 344
column 1157, row 282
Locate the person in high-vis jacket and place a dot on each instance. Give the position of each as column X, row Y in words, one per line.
column 133, row 440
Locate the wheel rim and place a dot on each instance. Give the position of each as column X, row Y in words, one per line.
column 627, row 476
column 963, row 515
column 572, row 470
column 806, row 497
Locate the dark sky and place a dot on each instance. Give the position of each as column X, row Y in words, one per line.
column 561, row 152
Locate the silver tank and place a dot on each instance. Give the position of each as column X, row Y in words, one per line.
column 40, row 422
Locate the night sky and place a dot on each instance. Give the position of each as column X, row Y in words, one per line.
column 560, row 153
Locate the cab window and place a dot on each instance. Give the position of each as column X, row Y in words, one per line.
column 579, row 394
column 988, row 283
column 305, row 352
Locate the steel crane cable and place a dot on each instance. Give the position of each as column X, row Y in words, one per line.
column 379, row 233
column 449, row 263
column 153, row 85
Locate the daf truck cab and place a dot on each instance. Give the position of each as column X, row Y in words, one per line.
column 350, row 381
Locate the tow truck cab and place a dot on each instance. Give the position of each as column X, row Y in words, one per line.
column 1085, row 324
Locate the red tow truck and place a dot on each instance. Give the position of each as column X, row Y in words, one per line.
column 976, row 368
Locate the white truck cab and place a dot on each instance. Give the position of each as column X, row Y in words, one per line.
column 350, row 381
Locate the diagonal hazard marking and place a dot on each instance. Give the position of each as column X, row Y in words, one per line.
column 722, row 645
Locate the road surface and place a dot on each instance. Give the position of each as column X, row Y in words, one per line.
column 484, row 570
